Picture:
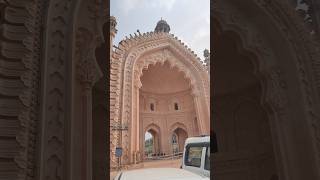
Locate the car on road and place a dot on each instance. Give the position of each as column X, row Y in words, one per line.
column 159, row 174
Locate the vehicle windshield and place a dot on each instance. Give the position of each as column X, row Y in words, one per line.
column 194, row 156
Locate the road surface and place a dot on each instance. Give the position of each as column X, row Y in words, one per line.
column 176, row 163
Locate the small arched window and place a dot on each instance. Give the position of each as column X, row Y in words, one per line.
column 152, row 107
column 176, row 106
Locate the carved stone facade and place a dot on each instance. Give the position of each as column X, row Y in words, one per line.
column 274, row 110
column 53, row 120
column 48, row 62
column 130, row 97
column 166, row 117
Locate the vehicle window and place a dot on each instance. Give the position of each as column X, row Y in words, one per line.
column 193, row 156
column 207, row 160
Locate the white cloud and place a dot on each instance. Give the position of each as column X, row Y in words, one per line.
column 188, row 19
column 147, row 136
column 166, row 4
column 127, row 5
column 201, row 32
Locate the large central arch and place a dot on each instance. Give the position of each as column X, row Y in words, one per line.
column 165, row 98
column 138, row 53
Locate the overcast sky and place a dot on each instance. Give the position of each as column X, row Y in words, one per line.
column 188, row 19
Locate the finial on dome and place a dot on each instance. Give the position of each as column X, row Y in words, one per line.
column 162, row 26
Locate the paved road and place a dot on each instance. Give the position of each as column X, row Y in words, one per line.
column 153, row 164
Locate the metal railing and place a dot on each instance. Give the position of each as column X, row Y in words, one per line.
column 161, row 156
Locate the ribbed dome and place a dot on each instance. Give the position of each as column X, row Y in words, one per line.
column 162, row 26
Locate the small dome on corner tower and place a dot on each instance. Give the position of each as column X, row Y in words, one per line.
column 162, row 26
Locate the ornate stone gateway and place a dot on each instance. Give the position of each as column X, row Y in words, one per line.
column 53, row 93
column 157, row 84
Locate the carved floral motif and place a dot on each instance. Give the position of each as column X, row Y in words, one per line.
column 88, row 70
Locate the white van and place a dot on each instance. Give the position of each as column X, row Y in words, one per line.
column 196, row 155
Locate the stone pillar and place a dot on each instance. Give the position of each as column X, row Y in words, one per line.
column 202, row 114
column 156, row 143
column 88, row 74
column 115, row 135
column 135, row 124
column 166, row 138
column 137, row 136
column 141, row 136
column 87, row 124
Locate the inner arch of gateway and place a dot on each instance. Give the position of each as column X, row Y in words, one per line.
column 61, row 134
column 166, row 89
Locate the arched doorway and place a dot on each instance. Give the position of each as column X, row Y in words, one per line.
column 179, row 137
column 279, row 64
column 175, row 143
column 243, row 127
column 151, row 143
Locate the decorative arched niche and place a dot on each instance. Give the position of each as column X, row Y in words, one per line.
column 284, row 65
column 70, row 70
column 181, row 131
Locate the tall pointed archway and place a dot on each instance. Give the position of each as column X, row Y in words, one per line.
column 243, row 127
column 282, row 65
column 129, row 60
